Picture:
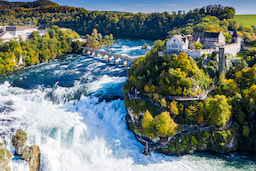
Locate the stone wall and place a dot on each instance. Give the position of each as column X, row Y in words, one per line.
column 232, row 49
column 194, row 54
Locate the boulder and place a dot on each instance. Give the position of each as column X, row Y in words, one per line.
column 5, row 158
column 32, row 156
column 19, row 141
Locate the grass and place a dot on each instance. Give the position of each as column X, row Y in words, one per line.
column 241, row 55
column 246, row 19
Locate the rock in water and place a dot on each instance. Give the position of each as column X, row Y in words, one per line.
column 32, row 156
column 5, row 158
column 19, row 141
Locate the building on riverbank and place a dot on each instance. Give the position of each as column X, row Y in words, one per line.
column 211, row 42
column 8, row 33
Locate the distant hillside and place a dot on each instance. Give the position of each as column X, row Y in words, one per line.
column 246, row 19
column 14, row 5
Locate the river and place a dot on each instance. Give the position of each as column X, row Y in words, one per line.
column 73, row 108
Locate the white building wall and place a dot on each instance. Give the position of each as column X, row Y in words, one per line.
column 222, row 39
column 174, row 45
column 194, row 54
column 7, row 36
column 232, row 49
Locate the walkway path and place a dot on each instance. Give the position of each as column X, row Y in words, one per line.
column 199, row 97
column 186, row 130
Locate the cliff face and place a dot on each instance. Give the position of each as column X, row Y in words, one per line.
column 5, row 158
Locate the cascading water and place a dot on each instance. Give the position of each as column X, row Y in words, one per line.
column 73, row 109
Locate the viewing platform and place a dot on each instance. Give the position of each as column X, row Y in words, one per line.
column 110, row 57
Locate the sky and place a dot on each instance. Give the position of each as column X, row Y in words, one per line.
column 148, row 6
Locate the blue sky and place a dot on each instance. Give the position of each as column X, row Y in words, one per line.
column 241, row 6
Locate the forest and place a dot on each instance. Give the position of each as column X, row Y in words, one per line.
column 37, row 49
column 141, row 25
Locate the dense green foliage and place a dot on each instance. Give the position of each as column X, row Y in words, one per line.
column 96, row 40
column 165, row 125
column 147, row 26
column 219, row 110
column 234, row 97
column 215, row 141
column 37, row 49
column 167, row 75
column 15, row 5
column 161, row 125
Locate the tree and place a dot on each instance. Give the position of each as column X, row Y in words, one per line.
column 76, row 47
column 173, row 108
column 193, row 141
column 95, row 33
column 148, row 122
column 163, row 102
column 241, row 64
column 232, row 88
column 159, row 45
column 228, row 37
column 198, row 46
column 246, row 131
column 165, row 125
column 219, row 110
column 146, row 88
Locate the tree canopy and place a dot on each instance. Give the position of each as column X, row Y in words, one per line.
column 219, row 110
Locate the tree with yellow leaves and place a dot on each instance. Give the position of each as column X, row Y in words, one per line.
column 95, row 33
column 219, row 110
column 148, row 123
column 165, row 125
column 173, row 108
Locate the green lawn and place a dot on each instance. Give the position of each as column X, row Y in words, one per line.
column 246, row 19
column 241, row 55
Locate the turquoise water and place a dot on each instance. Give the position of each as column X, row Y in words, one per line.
column 73, row 109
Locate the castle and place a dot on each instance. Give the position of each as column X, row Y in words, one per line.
column 211, row 42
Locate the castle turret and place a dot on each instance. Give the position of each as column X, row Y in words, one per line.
column 236, row 37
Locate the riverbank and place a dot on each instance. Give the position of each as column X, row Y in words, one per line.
column 190, row 139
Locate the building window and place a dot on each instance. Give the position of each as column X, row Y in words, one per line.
column 174, row 45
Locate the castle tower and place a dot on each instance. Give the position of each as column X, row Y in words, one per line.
column 236, row 37
column 222, row 60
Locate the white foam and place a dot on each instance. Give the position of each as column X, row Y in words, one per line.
column 88, row 134
column 104, row 81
